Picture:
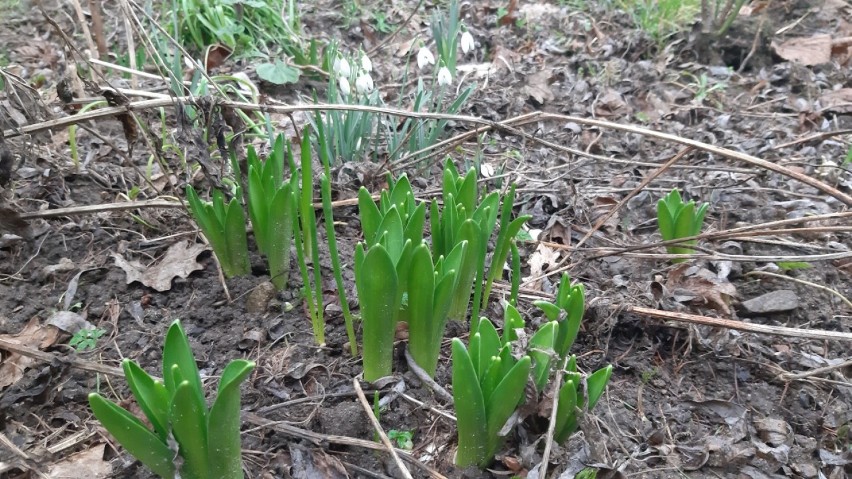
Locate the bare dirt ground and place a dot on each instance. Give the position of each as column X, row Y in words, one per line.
column 685, row 400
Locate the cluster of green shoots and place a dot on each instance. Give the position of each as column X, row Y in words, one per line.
column 490, row 381
column 207, row 439
column 677, row 219
column 400, row 278
column 282, row 214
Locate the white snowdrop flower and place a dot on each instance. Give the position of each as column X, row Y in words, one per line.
column 366, row 64
column 341, row 67
column 444, row 76
column 364, row 83
column 343, row 83
column 467, row 43
column 425, row 58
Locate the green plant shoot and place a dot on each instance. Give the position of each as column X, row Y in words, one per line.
column 677, row 219
column 271, row 209
column 429, row 302
column 488, row 385
column 224, row 226
column 208, row 439
column 324, row 148
column 572, row 402
column 509, row 228
column 306, row 240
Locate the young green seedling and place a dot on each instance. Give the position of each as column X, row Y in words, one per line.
column 488, row 385
column 429, row 301
column 677, row 219
column 208, row 440
column 461, row 219
column 324, row 148
column 392, row 230
column 508, row 230
column 271, row 209
column 567, row 309
column 551, row 343
column 224, row 226
column 305, row 233
column 572, row 402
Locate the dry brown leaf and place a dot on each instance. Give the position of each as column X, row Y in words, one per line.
column 542, row 259
column 34, row 335
column 503, row 59
column 538, row 88
column 805, row 50
column 89, row 464
column 837, row 101
column 700, row 286
column 612, row 103
column 179, row 261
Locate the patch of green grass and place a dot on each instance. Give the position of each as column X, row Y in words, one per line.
column 648, row 375
column 380, row 22
column 249, row 28
column 661, row 18
column 793, row 265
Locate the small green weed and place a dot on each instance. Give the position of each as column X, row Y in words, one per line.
column 86, row 339
column 402, row 438
column 793, row 265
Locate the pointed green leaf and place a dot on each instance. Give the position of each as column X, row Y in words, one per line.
column 541, row 352
column 176, row 351
column 470, row 409
column 506, row 398
column 491, row 344
column 129, row 431
column 550, row 310
column 596, row 384
column 369, row 215
column 223, row 422
column 512, row 321
column 189, row 425
column 151, row 395
column 566, row 412
column 377, row 285
column 420, row 312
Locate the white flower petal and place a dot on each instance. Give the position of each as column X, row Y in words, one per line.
column 444, row 76
column 366, row 64
column 345, row 70
column 425, row 58
column 467, row 42
column 343, row 84
column 364, row 83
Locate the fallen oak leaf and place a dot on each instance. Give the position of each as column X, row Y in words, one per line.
column 179, row 261
column 33, row 335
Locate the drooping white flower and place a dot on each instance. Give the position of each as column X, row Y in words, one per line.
column 467, row 42
column 366, row 64
column 341, row 67
column 425, row 58
column 343, row 83
column 364, row 83
column 444, row 76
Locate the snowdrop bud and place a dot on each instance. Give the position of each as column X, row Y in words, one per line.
column 364, row 83
column 467, row 43
column 444, row 76
column 425, row 58
column 341, row 67
column 343, row 83
column 366, row 64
